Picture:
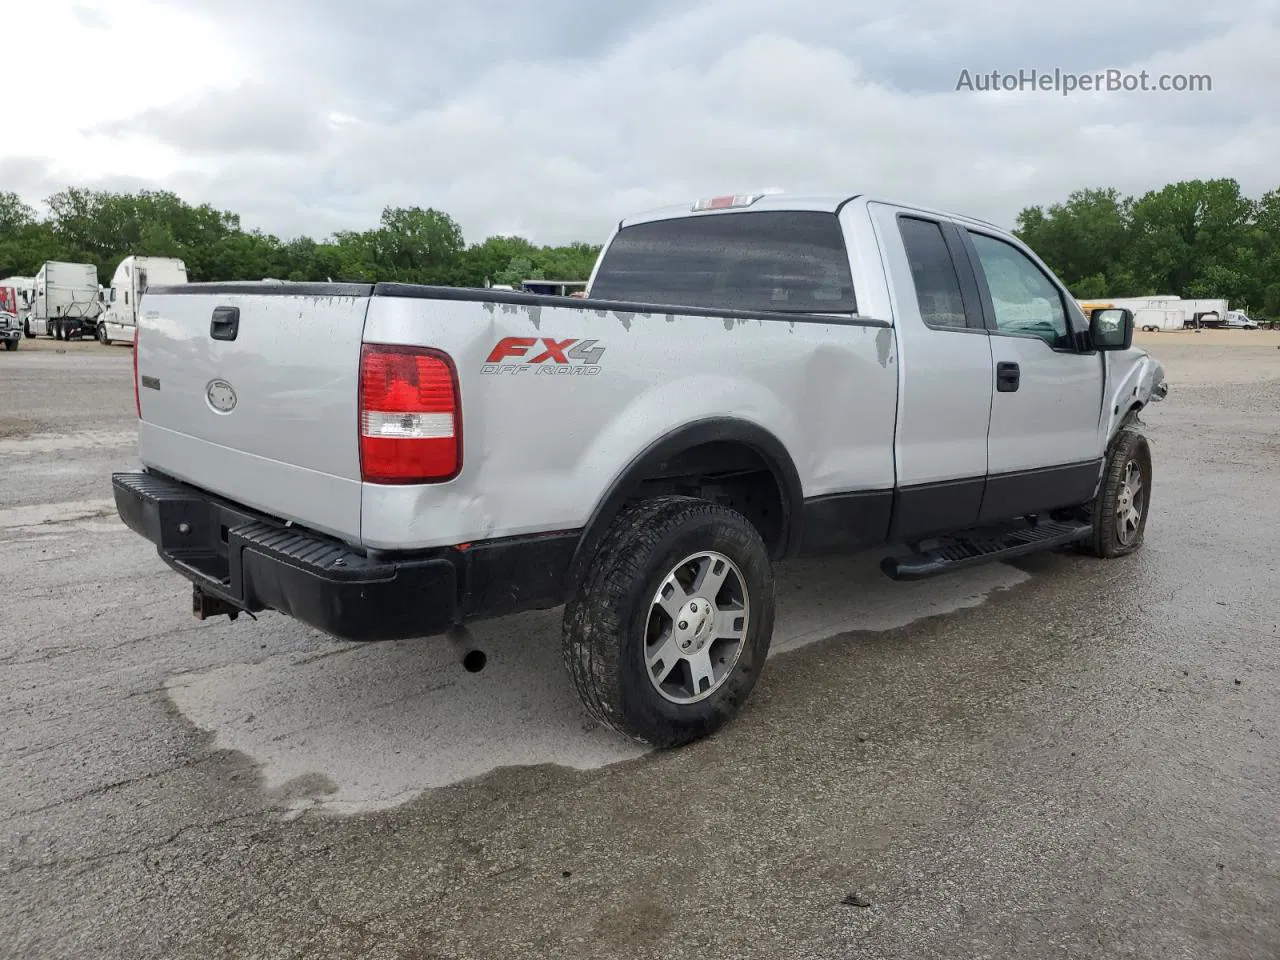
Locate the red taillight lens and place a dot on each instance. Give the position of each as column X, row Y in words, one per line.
column 410, row 415
column 137, row 394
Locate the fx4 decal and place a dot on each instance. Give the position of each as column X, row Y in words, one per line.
column 544, row 356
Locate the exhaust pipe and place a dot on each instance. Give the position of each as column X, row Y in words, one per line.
column 472, row 658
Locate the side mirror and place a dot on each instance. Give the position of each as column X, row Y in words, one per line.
column 1111, row 329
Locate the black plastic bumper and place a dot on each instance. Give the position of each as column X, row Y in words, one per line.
column 254, row 563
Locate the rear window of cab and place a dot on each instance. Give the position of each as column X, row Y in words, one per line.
column 757, row 261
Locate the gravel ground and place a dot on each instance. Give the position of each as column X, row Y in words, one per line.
column 1055, row 758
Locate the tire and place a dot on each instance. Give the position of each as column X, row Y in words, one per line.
column 102, row 335
column 1115, row 535
column 26, row 330
column 11, row 344
column 614, row 625
column 57, row 329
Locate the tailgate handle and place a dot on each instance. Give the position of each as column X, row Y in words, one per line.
column 226, row 323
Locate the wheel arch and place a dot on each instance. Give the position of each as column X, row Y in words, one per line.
column 714, row 437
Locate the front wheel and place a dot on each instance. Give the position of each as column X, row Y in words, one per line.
column 669, row 629
column 11, row 344
column 102, row 335
column 26, row 331
column 1120, row 510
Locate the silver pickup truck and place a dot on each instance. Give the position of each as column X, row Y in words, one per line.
column 748, row 379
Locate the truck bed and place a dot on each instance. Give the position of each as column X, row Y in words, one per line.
column 557, row 397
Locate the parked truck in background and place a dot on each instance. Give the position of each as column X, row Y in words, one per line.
column 1239, row 320
column 128, row 284
column 23, row 287
column 748, row 379
column 66, row 301
column 10, row 323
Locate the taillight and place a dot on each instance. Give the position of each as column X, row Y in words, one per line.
column 410, row 415
column 137, row 395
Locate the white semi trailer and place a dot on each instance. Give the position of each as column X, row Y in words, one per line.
column 1165, row 312
column 119, row 321
column 66, row 301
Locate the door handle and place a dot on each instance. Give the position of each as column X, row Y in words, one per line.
column 1008, row 377
column 225, row 324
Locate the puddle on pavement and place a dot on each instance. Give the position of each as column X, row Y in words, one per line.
column 384, row 722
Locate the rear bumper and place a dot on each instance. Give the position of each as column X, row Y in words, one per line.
column 255, row 563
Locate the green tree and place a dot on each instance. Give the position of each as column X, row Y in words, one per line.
column 25, row 241
column 483, row 263
column 573, row 262
column 1186, row 237
column 15, row 215
column 1082, row 238
column 517, row 270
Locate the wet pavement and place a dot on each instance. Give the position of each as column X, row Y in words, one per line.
column 1062, row 757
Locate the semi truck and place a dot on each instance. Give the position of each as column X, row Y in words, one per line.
column 66, row 301
column 119, row 320
column 22, row 288
column 10, row 324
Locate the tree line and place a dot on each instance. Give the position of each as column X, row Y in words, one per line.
column 409, row 244
column 1195, row 238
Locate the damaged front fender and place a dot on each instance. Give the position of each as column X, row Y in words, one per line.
column 1135, row 380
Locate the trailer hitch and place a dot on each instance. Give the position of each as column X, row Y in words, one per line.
column 204, row 606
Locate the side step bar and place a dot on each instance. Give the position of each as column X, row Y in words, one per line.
column 969, row 550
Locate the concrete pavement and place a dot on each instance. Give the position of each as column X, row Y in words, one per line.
column 1062, row 758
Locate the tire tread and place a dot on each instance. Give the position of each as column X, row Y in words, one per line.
column 596, row 615
column 1103, row 543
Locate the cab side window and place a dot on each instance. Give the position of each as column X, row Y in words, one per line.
column 934, row 274
column 1026, row 303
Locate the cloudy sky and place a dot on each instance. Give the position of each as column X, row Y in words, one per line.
column 557, row 117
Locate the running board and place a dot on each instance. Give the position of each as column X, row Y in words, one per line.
column 956, row 553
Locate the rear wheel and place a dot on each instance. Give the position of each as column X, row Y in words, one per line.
column 667, row 633
column 1120, row 510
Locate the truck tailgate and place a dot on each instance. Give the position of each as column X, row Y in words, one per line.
column 252, row 394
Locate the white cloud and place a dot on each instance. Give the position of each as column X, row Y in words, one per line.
column 83, row 64
column 560, row 140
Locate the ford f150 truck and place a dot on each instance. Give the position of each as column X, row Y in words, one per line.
column 748, row 379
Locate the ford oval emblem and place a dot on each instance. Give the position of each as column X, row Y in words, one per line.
column 221, row 395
